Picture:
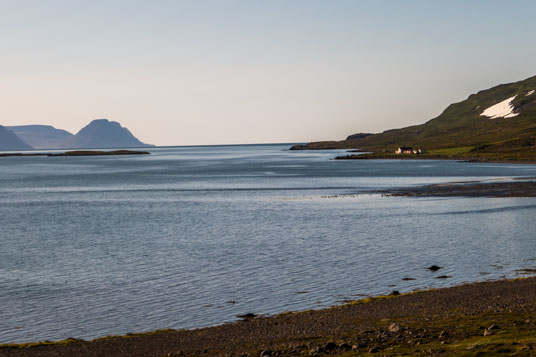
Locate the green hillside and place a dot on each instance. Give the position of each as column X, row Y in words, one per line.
column 462, row 126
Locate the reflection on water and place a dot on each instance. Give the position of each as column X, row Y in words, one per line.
column 93, row 246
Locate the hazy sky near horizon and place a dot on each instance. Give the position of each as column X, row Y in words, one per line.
column 248, row 71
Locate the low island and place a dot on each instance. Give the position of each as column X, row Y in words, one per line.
column 79, row 153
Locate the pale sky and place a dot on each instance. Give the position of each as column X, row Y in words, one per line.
column 251, row 71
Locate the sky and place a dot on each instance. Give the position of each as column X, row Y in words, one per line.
column 248, row 71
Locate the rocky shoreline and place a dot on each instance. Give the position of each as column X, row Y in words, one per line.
column 514, row 188
column 494, row 318
column 483, row 159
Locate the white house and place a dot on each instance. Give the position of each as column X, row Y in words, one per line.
column 407, row 150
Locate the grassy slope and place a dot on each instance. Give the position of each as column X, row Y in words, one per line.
column 461, row 125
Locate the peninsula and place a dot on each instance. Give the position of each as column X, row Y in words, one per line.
column 494, row 124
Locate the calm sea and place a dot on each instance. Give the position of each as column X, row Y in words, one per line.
column 93, row 246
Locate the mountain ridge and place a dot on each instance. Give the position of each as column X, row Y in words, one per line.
column 9, row 141
column 103, row 133
column 462, row 124
column 41, row 136
column 99, row 133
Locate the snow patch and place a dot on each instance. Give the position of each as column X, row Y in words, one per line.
column 504, row 109
column 529, row 93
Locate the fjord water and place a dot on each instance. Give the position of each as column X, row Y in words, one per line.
column 93, row 246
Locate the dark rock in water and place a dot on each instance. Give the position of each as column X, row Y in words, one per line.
column 442, row 277
column 409, row 279
column 249, row 315
column 395, row 293
column 434, row 268
column 231, row 302
column 526, row 271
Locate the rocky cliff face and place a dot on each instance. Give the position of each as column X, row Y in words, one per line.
column 10, row 141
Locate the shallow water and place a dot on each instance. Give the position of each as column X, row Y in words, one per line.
column 93, row 246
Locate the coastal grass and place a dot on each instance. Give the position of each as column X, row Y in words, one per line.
column 77, row 340
column 41, row 343
column 458, row 153
column 138, row 334
column 464, row 336
column 451, row 151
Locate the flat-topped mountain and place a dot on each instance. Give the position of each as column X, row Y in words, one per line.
column 102, row 133
column 496, row 120
column 41, row 136
column 10, row 141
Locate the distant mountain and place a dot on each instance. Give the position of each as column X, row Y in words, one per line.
column 500, row 119
column 102, row 133
column 41, row 136
column 10, row 141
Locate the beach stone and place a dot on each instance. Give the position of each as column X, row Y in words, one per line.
column 443, row 334
column 266, row 353
column 315, row 351
column 373, row 350
column 345, row 346
column 330, row 346
column 355, row 347
column 394, row 327
column 493, row 327
column 488, row 332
